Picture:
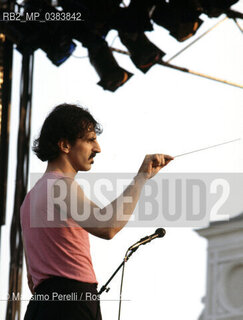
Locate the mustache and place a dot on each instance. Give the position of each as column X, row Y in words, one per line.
column 92, row 155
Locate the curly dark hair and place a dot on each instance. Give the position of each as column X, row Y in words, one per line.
column 66, row 121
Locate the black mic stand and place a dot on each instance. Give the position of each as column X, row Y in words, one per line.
column 158, row 234
column 106, row 289
column 127, row 256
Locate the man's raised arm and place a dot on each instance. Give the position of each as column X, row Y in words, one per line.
column 106, row 222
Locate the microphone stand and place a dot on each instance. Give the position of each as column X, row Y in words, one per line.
column 106, row 289
column 158, row 234
column 127, row 256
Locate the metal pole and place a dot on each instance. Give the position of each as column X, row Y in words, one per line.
column 16, row 245
column 194, row 41
column 6, row 58
column 199, row 74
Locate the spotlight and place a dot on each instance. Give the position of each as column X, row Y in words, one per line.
column 112, row 76
column 214, row 8
column 51, row 38
column 181, row 18
column 134, row 18
column 59, row 46
column 91, row 33
column 144, row 53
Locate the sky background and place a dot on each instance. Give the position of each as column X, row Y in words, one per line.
column 164, row 111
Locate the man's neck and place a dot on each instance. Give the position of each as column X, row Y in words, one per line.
column 61, row 167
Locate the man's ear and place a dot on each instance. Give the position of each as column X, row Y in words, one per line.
column 64, row 145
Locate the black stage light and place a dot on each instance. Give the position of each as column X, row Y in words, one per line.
column 134, row 18
column 112, row 76
column 19, row 34
column 92, row 9
column 181, row 18
column 96, row 14
column 214, row 8
column 50, row 37
column 56, row 42
column 144, row 54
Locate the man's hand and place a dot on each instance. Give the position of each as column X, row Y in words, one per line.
column 152, row 163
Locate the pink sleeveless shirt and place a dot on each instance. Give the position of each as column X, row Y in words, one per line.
column 51, row 249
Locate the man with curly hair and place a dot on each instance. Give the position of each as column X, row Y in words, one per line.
column 59, row 266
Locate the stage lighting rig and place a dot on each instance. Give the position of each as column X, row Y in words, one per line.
column 181, row 18
column 51, row 38
column 56, row 42
column 106, row 15
column 214, row 8
column 96, row 13
column 234, row 14
column 143, row 52
column 134, row 18
column 112, row 76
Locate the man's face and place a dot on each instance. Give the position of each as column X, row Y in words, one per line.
column 81, row 154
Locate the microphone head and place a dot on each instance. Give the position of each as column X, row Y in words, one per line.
column 160, row 232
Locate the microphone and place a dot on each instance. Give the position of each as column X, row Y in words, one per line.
column 159, row 233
